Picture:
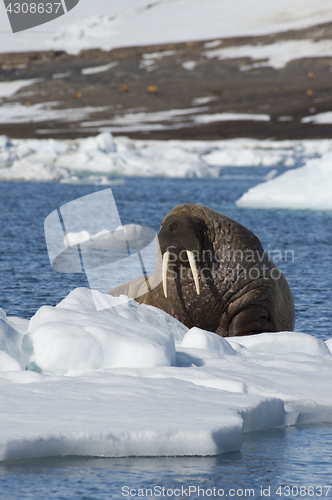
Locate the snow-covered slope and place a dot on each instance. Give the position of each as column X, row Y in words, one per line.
column 122, row 23
column 275, row 55
column 131, row 380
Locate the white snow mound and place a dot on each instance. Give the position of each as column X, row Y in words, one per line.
column 71, row 342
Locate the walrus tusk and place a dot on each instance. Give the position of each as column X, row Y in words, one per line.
column 193, row 268
column 165, row 266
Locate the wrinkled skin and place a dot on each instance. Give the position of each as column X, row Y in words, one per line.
column 241, row 292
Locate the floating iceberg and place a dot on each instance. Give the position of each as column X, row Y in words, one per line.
column 132, row 381
column 308, row 187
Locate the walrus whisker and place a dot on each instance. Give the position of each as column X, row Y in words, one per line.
column 165, row 267
column 193, row 268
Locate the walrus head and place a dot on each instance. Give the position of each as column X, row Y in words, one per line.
column 180, row 239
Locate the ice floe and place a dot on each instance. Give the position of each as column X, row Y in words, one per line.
column 308, row 187
column 131, row 380
column 99, row 159
column 64, row 341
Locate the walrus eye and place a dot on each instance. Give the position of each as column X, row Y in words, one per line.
column 193, row 268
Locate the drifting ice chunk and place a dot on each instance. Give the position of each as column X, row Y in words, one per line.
column 307, row 187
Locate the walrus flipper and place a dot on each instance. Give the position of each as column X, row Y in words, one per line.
column 132, row 289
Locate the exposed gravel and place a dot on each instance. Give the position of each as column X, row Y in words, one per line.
column 121, row 89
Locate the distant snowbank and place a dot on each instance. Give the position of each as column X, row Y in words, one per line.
column 9, row 88
column 275, row 55
column 119, row 23
column 319, row 118
column 131, row 380
column 138, row 121
column 101, row 158
column 308, row 187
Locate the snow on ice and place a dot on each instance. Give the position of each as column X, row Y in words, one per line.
column 131, row 380
column 96, row 159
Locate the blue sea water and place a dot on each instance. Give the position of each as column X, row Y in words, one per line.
column 301, row 243
column 272, row 464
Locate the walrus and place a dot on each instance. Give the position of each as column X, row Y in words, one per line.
column 213, row 273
